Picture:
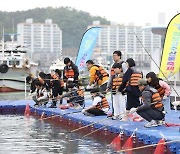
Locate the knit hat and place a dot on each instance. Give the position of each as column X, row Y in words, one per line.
column 142, row 82
column 131, row 62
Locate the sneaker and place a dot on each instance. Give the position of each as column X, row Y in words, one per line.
column 114, row 118
column 52, row 106
column 160, row 122
column 152, row 123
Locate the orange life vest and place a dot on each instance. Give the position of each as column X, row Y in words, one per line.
column 55, row 77
column 103, row 103
column 161, row 91
column 69, row 73
column 135, row 77
column 156, row 100
column 116, row 82
column 112, row 71
column 80, row 92
column 100, row 73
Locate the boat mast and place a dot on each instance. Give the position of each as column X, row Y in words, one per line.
column 3, row 42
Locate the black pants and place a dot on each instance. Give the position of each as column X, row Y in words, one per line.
column 151, row 114
column 103, row 88
column 55, row 92
column 132, row 101
column 96, row 112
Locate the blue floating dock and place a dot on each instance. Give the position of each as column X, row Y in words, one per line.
column 145, row 135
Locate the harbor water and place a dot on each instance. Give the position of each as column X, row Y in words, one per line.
column 29, row 135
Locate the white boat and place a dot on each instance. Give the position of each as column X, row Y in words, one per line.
column 58, row 64
column 15, row 66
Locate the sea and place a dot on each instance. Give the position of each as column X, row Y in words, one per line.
column 29, row 135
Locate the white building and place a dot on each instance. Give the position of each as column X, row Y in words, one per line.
column 131, row 40
column 43, row 39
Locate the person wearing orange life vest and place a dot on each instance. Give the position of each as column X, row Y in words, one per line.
column 99, row 106
column 98, row 76
column 41, row 96
column 75, row 96
column 152, row 109
column 117, row 59
column 130, row 85
column 119, row 100
column 57, row 87
column 162, row 87
column 70, row 72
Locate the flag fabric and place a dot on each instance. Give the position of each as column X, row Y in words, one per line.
column 170, row 64
column 116, row 143
column 86, row 47
column 160, row 147
column 128, row 145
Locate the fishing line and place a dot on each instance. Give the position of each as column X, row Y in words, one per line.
column 156, row 64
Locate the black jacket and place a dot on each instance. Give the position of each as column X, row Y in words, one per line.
column 134, row 90
column 75, row 69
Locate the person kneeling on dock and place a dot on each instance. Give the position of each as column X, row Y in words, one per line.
column 152, row 109
column 41, row 96
column 75, row 96
column 100, row 104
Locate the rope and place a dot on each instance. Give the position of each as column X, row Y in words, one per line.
column 146, row 146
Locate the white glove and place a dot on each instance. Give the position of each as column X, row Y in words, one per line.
column 132, row 110
column 70, row 79
column 38, row 99
column 89, row 87
column 165, row 97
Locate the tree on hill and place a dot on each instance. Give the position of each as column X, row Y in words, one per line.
column 73, row 23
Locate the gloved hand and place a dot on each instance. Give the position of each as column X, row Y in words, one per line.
column 165, row 97
column 70, row 79
column 38, row 99
column 132, row 110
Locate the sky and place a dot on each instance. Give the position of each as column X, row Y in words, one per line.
column 138, row 12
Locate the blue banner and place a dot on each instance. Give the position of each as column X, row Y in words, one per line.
column 86, row 47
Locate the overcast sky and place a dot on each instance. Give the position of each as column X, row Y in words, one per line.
column 119, row 11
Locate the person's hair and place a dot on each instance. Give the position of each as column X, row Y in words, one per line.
column 131, row 62
column 58, row 72
column 70, row 85
column 89, row 62
column 118, row 52
column 66, row 60
column 38, row 83
column 154, row 79
column 28, row 78
column 42, row 75
column 117, row 65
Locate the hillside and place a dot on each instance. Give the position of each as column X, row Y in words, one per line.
column 73, row 23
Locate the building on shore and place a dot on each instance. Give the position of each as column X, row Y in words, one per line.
column 130, row 39
column 43, row 39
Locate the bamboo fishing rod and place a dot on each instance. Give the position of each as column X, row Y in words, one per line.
column 102, row 128
column 92, row 123
column 53, row 116
column 155, row 63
